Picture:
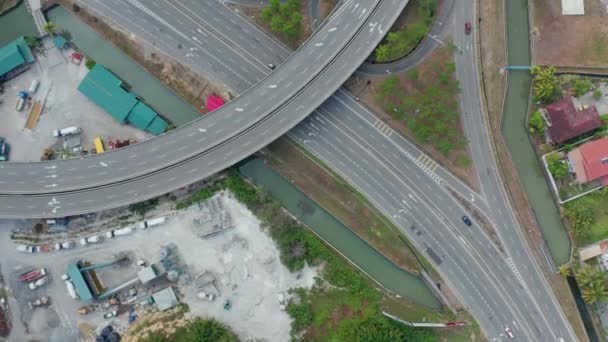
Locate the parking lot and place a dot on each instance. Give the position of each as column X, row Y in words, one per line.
column 240, row 264
column 64, row 106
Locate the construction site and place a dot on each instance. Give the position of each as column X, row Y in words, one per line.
column 209, row 256
column 46, row 114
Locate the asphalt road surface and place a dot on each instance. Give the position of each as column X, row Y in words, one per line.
column 411, row 190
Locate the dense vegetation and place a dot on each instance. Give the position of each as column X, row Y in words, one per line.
column 196, row 330
column 546, row 85
column 592, row 282
column 557, row 166
column 284, row 17
column 536, row 123
column 429, row 106
column 142, row 208
column 318, row 313
column 399, row 43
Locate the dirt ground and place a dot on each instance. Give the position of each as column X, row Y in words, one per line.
column 326, row 6
column 340, row 200
column 493, row 57
column 189, row 85
column 368, row 93
column 7, row 4
column 253, row 14
column 570, row 40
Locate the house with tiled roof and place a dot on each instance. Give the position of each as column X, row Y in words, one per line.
column 565, row 120
column 589, row 161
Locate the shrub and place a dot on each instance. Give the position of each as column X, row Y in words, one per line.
column 75, row 8
column 557, row 166
column 90, row 63
column 581, row 86
column 536, row 123
column 597, row 94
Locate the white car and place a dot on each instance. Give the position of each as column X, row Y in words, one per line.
column 83, row 242
column 509, row 332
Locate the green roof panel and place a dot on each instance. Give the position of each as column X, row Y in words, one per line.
column 103, row 88
column 141, row 115
column 157, row 126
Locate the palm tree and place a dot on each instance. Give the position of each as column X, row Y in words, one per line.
column 588, row 275
column 595, row 292
column 564, row 270
column 50, row 27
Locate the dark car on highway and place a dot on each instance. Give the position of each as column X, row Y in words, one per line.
column 4, row 150
column 467, row 220
column 467, row 27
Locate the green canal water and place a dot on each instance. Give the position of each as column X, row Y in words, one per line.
column 16, row 23
column 514, row 130
column 338, row 235
column 141, row 82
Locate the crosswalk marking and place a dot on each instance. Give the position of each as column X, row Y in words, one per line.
column 383, row 128
column 426, row 163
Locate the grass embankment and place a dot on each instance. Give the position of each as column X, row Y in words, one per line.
column 344, row 304
column 423, row 104
column 5, row 5
column 415, row 22
column 187, row 84
column 341, row 200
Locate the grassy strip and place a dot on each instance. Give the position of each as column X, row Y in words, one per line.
column 398, row 44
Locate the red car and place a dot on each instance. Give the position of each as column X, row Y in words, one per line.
column 467, row 27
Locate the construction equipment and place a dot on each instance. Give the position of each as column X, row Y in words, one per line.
column 32, row 275
column 85, row 310
column 42, row 301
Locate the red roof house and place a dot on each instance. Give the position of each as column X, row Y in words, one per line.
column 214, row 102
column 590, row 161
column 565, row 122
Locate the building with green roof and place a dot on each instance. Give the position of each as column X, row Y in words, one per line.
column 107, row 91
column 15, row 54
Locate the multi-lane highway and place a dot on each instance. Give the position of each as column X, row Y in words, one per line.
column 411, row 190
column 198, row 150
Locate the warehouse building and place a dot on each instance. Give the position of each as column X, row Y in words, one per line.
column 13, row 57
column 108, row 92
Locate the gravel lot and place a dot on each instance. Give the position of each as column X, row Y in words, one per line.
column 244, row 260
column 65, row 106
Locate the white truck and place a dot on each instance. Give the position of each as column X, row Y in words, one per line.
column 124, row 231
column 93, row 239
column 155, row 221
column 71, row 289
column 67, row 245
column 33, row 86
column 66, row 131
column 25, row 248
column 36, row 284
